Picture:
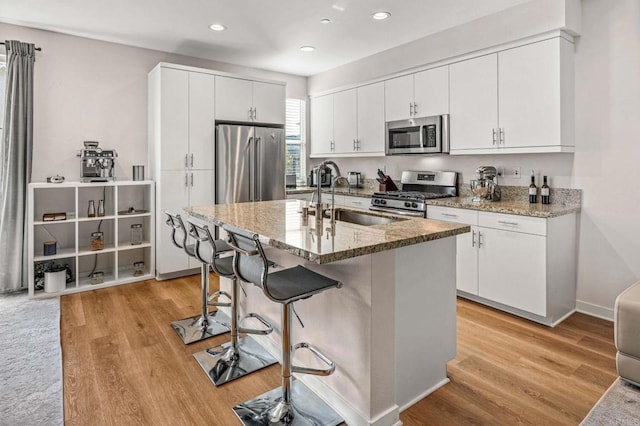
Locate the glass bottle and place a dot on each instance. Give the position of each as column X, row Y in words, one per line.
column 136, row 234
column 101, row 208
column 544, row 192
column 91, row 211
column 533, row 190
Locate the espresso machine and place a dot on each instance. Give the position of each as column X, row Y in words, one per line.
column 485, row 187
column 96, row 164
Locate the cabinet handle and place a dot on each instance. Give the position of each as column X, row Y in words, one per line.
column 479, row 239
column 415, row 108
column 449, row 215
column 192, row 160
column 191, row 179
column 505, row 222
column 501, row 136
column 358, row 144
column 354, row 144
column 495, row 135
column 473, row 238
column 332, row 145
column 186, row 180
column 255, row 113
column 186, row 160
column 410, row 108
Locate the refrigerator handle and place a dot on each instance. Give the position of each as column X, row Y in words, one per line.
column 257, row 171
column 252, row 172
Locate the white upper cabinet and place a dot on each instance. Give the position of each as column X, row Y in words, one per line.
column 174, row 121
column 345, row 129
column 422, row 94
column 201, row 121
column 371, row 125
column 187, row 120
column 518, row 100
column 474, row 103
column 431, row 92
column 249, row 101
column 349, row 123
column 322, row 125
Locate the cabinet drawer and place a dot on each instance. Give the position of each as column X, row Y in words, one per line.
column 357, row 202
column 451, row 214
column 510, row 222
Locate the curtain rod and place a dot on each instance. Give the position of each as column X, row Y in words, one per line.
column 39, row 49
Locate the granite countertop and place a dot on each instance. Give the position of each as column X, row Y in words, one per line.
column 341, row 190
column 517, row 207
column 282, row 225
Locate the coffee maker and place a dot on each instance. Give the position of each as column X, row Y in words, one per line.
column 96, row 164
column 486, row 185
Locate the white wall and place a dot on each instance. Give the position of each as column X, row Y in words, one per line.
column 92, row 90
column 605, row 165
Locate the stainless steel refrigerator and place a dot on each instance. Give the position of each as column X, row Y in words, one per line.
column 250, row 163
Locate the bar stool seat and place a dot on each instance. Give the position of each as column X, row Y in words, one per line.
column 292, row 403
column 206, row 324
column 239, row 356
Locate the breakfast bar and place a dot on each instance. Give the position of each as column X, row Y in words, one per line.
column 390, row 329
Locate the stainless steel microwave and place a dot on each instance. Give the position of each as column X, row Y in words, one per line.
column 427, row 135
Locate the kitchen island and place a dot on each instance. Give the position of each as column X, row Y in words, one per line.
column 390, row 329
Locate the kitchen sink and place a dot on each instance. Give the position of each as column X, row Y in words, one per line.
column 363, row 218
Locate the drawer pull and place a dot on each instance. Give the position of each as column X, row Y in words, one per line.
column 449, row 215
column 473, row 238
column 505, row 222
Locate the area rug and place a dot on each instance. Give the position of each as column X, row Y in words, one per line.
column 620, row 405
column 30, row 361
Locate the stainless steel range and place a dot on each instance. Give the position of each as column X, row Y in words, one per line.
column 417, row 188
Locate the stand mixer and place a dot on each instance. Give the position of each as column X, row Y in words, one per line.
column 485, row 187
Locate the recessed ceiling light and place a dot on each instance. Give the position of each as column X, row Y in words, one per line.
column 217, row 27
column 325, row 21
column 379, row 16
column 307, row 48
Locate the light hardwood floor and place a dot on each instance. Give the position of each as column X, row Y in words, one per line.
column 124, row 365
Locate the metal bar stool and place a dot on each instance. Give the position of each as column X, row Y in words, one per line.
column 207, row 324
column 239, row 356
column 292, row 403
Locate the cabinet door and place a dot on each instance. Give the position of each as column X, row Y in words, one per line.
column 172, row 195
column 467, row 261
column 202, row 193
column 174, row 119
column 201, row 121
column 344, row 121
column 269, row 102
column 234, row 98
column 321, row 125
column 398, row 97
column 371, row 118
column 529, row 96
column 512, row 269
column 431, row 92
column 474, row 103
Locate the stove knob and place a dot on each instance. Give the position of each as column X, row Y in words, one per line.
column 376, row 201
column 414, row 205
column 383, row 201
column 407, row 204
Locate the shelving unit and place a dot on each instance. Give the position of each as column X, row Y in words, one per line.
column 126, row 203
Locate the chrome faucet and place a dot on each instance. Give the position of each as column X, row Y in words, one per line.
column 320, row 168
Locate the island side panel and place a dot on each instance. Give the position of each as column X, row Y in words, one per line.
column 425, row 318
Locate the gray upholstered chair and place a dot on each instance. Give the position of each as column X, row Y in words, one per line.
column 627, row 333
column 239, row 356
column 206, row 324
column 292, row 402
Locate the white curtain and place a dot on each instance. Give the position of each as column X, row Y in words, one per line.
column 15, row 165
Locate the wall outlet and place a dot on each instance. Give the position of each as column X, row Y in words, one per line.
column 515, row 172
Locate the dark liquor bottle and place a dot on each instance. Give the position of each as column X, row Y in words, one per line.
column 544, row 191
column 533, row 190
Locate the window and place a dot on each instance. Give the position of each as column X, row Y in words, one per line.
column 295, row 131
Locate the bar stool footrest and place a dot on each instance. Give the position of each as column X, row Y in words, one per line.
column 217, row 295
column 267, row 330
column 319, row 355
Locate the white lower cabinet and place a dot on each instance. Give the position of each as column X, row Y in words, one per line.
column 521, row 264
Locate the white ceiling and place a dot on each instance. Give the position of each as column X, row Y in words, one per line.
column 260, row 33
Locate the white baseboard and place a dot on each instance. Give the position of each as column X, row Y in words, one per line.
column 594, row 310
column 425, row 393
